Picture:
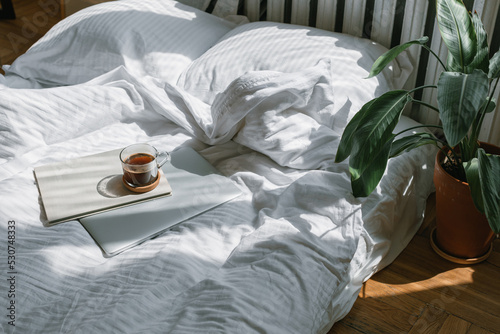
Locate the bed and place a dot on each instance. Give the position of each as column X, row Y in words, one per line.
column 263, row 102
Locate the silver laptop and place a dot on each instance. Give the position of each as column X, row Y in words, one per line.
column 196, row 187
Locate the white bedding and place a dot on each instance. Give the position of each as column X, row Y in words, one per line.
column 288, row 256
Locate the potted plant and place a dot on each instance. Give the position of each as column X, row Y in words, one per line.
column 464, row 95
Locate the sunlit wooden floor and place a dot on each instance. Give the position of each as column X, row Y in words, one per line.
column 422, row 293
column 418, row 293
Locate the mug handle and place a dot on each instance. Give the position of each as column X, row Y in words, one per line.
column 166, row 158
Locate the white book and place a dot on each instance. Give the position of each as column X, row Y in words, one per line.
column 197, row 187
column 84, row 186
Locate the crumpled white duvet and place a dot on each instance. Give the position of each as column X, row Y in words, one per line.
column 287, row 256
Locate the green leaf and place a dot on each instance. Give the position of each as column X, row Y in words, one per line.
column 481, row 58
column 460, row 97
column 472, row 171
column 453, row 65
column 457, row 31
column 494, row 70
column 491, row 105
column 390, row 55
column 410, row 142
column 367, row 181
column 369, row 142
column 345, row 144
column 489, row 175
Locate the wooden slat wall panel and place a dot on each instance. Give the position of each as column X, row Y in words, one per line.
column 414, row 19
column 300, row 12
column 252, row 10
column 275, row 10
column 415, row 15
column 224, row 8
column 426, row 115
column 326, row 16
column 490, row 132
column 383, row 21
column 488, row 11
column 354, row 14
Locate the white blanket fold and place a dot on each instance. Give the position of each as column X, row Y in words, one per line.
column 286, row 116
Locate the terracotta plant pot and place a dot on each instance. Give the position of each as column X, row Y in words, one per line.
column 462, row 233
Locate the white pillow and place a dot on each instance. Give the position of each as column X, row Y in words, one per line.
column 148, row 37
column 32, row 118
column 290, row 48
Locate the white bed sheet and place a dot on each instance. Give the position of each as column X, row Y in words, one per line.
column 288, row 256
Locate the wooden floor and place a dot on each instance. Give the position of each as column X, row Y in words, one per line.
column 422, row 293
column 418, row 293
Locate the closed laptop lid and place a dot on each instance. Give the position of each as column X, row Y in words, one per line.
column 196, row 185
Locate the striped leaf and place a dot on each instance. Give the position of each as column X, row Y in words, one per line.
column 494, row 70
column 460, row 97
column 457, row 31
column 490, row 105
column 390, row 55
column 489, row 174
column 472, row 171
column 345, row 146
column 371, row 143
column 481, row 58
column 483, row 176
column 410, row 142
column 367, row 181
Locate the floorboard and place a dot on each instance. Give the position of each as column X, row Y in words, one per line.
column 438, row 296
column 33, row 20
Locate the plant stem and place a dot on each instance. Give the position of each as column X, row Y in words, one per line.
column 435, row 55
column 456, row 157
column 464, row 149
column 419, row 126
column 421, row 102
column 426, row 105
column 421, row 87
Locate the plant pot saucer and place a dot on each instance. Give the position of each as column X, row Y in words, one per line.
column 455, row 259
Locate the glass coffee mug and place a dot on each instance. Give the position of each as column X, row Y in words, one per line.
column 140, row 163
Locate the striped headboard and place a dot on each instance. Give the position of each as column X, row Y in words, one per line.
column 388, row 22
